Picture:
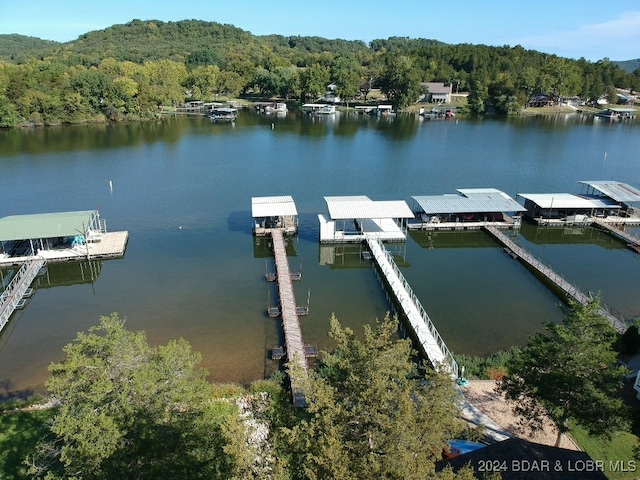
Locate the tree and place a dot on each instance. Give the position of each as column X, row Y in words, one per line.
column 313, row 81
column 346, row 74
column 371, row 414
column 128, row 410
column 165, row 81
column 478, row 95
column 400, row 81
column 569, row 372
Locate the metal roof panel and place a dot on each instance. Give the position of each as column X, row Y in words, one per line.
column 360, row 207
column 273, row 206
column 618, row 191
column 45, row 225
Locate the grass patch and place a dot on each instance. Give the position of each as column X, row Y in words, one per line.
column 616, row 454
column 19, row 433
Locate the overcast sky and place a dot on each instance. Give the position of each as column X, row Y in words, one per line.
column 570, row 28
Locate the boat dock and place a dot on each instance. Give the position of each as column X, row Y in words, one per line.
column 18, row 288
column 430, row 341
column 632, row 241
column 111, row 245
column 569, row 290
column 295, row 348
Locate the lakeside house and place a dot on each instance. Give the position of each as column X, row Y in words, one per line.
column 437, row 92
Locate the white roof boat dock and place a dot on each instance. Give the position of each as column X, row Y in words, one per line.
column 319, row 108
column 274, row 213
column 624, row 194
column 354, row 218
column 58, row 237
column 223, row 113
column 470, row 209
column 608, row 202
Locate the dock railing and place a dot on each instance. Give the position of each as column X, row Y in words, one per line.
column 450, row 360
column 16, row 288
column 619, row 322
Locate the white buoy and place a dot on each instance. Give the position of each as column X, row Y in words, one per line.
column 110, row 185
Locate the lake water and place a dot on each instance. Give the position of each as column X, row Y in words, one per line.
column 182, row 188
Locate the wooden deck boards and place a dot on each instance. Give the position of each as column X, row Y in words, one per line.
column 570, row 290
column 295, row 348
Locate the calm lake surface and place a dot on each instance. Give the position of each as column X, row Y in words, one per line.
column 182, row 188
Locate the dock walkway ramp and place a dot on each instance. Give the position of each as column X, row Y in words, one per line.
column 570, row 290
column 14, row 292
column 424, row 330
column 295, row 348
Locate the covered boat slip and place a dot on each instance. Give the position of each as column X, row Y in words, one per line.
column 274, row 213
column 622, row 193
column 608, row 202
column 354, row 218
column 58, row 237
column 470, row 209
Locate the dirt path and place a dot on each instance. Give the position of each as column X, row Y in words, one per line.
column 481, row 394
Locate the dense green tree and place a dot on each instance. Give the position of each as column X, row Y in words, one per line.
column 313, row 81
column 400, row 81
column 371, row 414
column 478, row 96
column 166, row 80
column 229, row 84
column 345, row 73
column 8, row 114
column 569, row 372
column 289, row 81
column 128, row 410
column 202, row 82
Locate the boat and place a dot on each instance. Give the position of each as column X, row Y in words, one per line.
column 228, row 114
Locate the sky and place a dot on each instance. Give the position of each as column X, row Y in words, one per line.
column 592, row 29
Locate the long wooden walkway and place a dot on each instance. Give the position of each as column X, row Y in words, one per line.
column 570, row 290
column 424, row 330
column 295, row 348
column 16, row 289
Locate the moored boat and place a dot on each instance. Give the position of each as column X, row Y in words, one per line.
column 223, row 114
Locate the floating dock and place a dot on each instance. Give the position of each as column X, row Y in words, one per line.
column 425, row 332
column 569, row 290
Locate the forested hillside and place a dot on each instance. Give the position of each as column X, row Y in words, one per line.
column 629, row 66
column 128, row 71
column 19, row 48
